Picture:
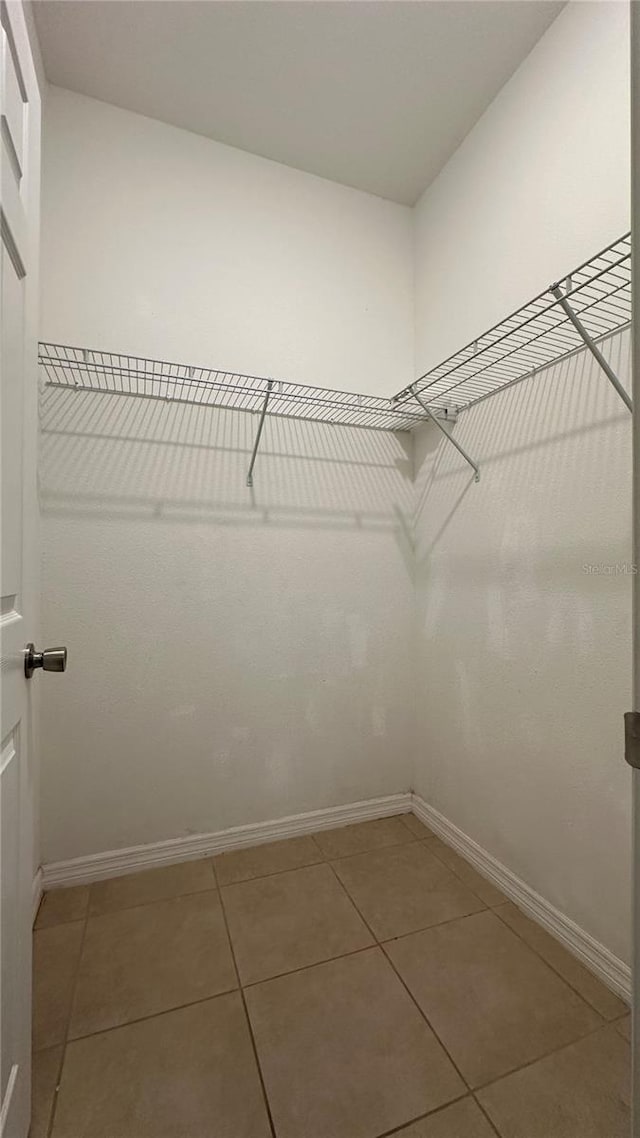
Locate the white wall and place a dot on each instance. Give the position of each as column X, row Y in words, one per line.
column 162, row 243
column 525, row 657
column 233, row 656
column 259, row 653
column 538, row 186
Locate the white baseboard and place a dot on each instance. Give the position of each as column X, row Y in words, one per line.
column 609, row 968
column 112, row 863
column 36, row 894
column 97, row 867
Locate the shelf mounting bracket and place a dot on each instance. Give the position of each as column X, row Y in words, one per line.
column 556, row 289
column 256, row 444
column 433, row 415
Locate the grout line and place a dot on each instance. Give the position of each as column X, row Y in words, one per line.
column 418, row 837
column 240, row 984
column 58, row 924
column 512, row 1070
column 428, row 928
column 152, row 1015
column 495, row 909
column 576, row 991
column 460, row 877
column 546, row 1055
column 471, row 1092
column 487, row 1116
column 145, row 904
column 313, row 964
column 246, row 1013
column 408, row 841
column 276, row 873
column 424, row 1117
column 596, row 958
column 411, row 996
column 322, row 860
column 377, row 944
column 426, row 1018
column 382, row 945
column 54, row 1104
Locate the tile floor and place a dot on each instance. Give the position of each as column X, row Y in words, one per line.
column 362, row 982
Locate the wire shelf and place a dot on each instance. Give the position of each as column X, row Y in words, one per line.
column 535, row 336
column 592, row 302
column 88, row 370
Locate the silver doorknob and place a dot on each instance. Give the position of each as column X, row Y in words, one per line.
column 51, row 660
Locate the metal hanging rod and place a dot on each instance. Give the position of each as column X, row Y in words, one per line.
column 541, row 333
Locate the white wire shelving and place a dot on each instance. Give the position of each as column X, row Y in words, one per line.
column 86, row 369
column 594, row 299
column 590, row 303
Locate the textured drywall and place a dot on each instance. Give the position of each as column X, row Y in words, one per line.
column 524, row 618
column 525, row 650
column 161, row 243
column 538, row 186
column 234, row 656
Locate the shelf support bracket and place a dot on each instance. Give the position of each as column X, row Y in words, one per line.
column 447, row 433
column 591, row 345
column 259, row 432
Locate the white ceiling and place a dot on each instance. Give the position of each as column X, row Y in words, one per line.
column 375, row 95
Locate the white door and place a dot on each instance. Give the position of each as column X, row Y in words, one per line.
column 19, row 209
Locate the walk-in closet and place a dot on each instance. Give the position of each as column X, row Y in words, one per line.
column 318, row 569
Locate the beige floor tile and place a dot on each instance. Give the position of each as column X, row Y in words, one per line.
column 402, row 889
column 344, row 1051
column 590, row 988
column 363, row 836
column 462, row 1120
column 418, row 828
column 579, row 1092
column 472, row 879
column 55, row 962
column 44, row 1079
column 494, row 1004
column 60, row 906
column 151, row 885
column 624, row 1027
column 260, row 861
column 290, row 921
column 138, row 962
column 186, row 1074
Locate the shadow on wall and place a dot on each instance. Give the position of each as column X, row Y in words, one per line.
column 134, row 458
column 560, row 431
column 523, row 585
column 254, row 645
